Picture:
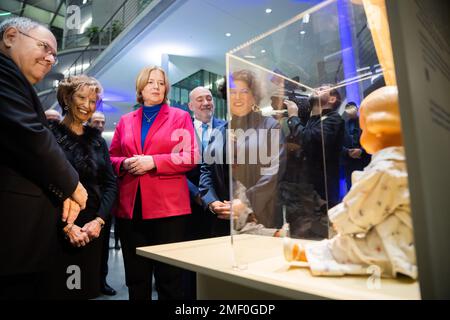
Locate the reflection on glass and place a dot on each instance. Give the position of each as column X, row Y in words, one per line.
column 255, row 147
column 299, row 164
column 287, row 93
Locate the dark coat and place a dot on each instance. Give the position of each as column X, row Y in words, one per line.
column 35, row 176
column 352, row 141
column 199, row 223
column 261, row 189
column 324, row 135
column 214, row 182
column 261, row 184
column 194, row 175
column 88, row 153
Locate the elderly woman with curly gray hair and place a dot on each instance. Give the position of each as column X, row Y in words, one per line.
column 77, row 271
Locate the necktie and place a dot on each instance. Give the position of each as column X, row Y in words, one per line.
column 204, row 136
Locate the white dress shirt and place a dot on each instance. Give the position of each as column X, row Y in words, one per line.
column 198, row 130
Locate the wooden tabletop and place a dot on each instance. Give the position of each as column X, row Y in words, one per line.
column 263, row 267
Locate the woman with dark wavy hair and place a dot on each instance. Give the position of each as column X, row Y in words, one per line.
column 77, row 272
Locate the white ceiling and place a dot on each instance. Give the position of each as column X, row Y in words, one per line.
column 192, row 33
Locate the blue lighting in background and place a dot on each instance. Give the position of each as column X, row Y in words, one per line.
column 106, row 108
column 99, row 105
column 231, row 83
column 348, row 56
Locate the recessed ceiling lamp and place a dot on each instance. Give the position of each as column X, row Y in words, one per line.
column 228, row 34
column 249, row 57
column 268, row 10
column 302, row 32
column 263, row 51
column 305, row 18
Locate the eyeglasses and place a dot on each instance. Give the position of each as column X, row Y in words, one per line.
column 45, row 47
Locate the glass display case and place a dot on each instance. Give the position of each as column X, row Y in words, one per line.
column 293, row 136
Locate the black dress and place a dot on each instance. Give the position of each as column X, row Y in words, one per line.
column 77, row 271
column 259, row 178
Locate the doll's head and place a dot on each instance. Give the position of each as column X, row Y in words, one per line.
column 380, row 120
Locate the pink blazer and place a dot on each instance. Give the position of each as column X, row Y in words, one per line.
column 164, row 190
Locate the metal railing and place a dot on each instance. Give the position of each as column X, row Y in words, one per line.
column 100, row 38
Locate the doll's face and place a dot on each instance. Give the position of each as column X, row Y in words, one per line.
column 380, row 120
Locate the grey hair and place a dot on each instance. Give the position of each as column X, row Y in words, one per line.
column 199, row 87
column 21, row 23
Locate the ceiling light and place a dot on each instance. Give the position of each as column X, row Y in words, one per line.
column 250, row 57
column 302, row 32
column 5, row 14
column 305, row 18
column 268, row 10
column 263, row 51
column 228, row 34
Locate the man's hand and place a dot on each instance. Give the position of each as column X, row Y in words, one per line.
column 140, row 164
column 77, row 237
column 80, row 196
column 71, row 209
column 292, row 108
column 222, row 209
column 92, row 229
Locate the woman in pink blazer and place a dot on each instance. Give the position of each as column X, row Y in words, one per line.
column 152, row 149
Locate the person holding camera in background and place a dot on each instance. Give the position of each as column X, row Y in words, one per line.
column 323, row 136
column 312, row 181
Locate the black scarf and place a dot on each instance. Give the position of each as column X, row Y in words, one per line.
column 80, row 149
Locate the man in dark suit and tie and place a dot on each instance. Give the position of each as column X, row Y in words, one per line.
column 35, row 177
column 201, row 103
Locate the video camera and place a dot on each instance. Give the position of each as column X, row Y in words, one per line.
column 294, row 93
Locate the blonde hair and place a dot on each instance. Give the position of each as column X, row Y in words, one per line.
column 67, row 87
column 142, row 80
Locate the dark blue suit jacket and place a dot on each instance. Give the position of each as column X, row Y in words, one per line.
column 214, row 178
column 194, row 175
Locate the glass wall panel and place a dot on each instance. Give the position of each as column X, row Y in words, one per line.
column 294, row 130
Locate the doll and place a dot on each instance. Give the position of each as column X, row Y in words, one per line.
column 373, row 222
